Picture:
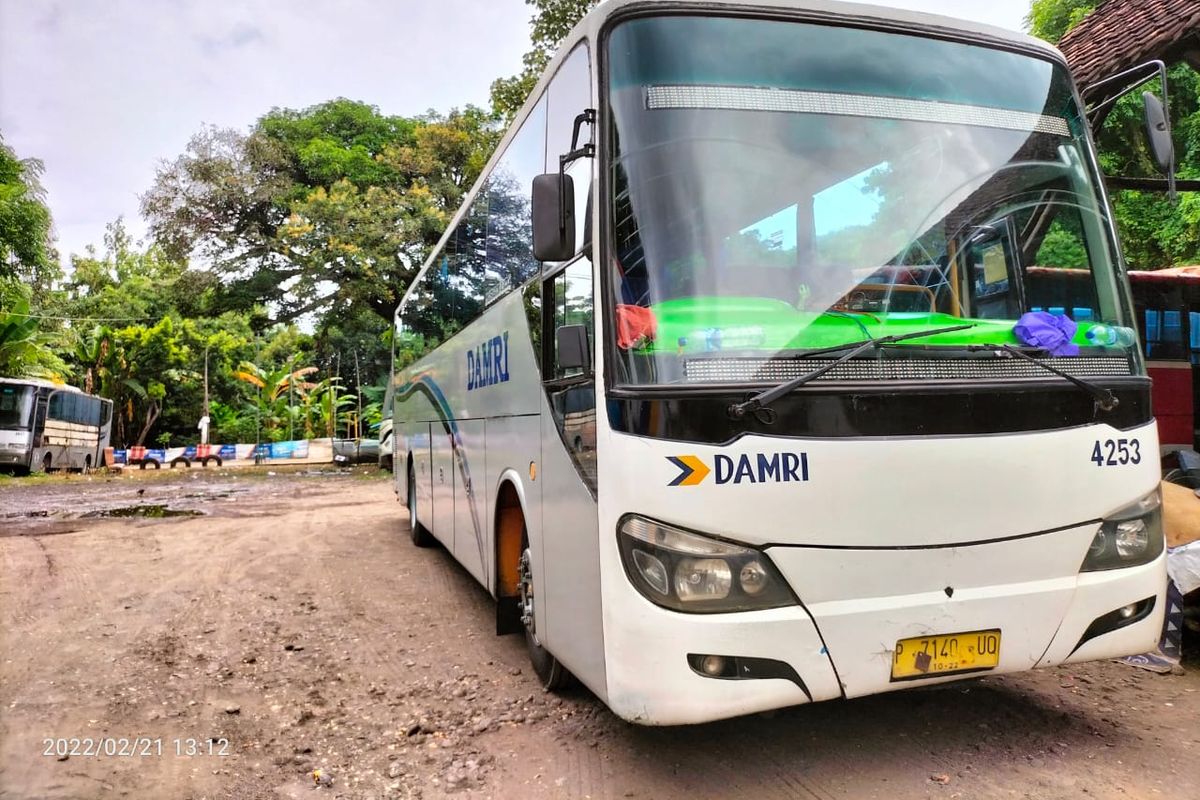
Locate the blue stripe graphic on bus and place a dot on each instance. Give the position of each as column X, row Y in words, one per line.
column 427, row 386
column 487, row 364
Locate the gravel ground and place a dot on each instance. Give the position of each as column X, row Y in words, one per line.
column 256, row 629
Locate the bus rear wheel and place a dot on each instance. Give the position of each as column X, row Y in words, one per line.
column 550, row 671
column 421, row 536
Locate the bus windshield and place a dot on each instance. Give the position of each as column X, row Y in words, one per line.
column 16, row 403
column 780, row 187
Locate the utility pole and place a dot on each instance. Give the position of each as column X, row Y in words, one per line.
column 291, row 415
column 257, row 414
column 358, row 396
column 204, row 418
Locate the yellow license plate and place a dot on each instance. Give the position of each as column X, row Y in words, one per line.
column 945, row 654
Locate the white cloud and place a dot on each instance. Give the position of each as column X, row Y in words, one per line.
column 102, row 90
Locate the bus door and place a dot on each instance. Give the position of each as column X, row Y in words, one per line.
column 442, row 484
column 105, row 431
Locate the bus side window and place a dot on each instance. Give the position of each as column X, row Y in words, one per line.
column 572, row 307
column 1194, row 327
column 1164, row 334
column 568, row 96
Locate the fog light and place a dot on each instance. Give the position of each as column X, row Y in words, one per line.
column 1125, row 612
column 712, row 665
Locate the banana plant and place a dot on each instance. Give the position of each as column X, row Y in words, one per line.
column 270, row 401
column 24, row 350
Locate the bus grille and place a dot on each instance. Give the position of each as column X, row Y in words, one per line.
column 774, row 370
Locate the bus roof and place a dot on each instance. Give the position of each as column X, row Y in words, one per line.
column 1172, row 274
column 42, row 383
column 830, row 11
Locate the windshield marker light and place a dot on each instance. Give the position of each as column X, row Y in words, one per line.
column 745, row 98
column 685, row 571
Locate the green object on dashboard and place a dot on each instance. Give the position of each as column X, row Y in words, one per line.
column 705, row 324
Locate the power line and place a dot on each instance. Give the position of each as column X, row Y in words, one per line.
column 77, row 319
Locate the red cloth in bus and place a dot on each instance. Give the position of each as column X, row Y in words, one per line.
column 634, row 323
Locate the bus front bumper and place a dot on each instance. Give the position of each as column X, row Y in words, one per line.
column 1029, row 589
column 856, row 606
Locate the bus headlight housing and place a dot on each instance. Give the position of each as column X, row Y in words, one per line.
column 685, row 571
column 1129, row 537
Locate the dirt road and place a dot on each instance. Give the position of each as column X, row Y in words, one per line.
column 293, row 627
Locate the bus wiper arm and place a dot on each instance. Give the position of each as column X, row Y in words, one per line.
column 1105, row 399
column 768, row 396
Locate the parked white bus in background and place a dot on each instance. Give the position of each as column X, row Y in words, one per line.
column 686, row 413
column 45, row 426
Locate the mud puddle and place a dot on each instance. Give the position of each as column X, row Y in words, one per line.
column 152, row 511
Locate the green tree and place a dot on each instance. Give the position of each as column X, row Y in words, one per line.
column 25, row 350
column 550, row 24
column 273, row 399
column 1051, row 19
column 1155, row 232
column 129, row 284
column 26, row 246
column 332, row 204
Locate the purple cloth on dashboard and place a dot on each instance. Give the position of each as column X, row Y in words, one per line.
column 1051, row 332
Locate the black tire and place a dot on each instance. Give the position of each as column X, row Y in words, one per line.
column 47, row 463
column 550, row 671
column 421, row 536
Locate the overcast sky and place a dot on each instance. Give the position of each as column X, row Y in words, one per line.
column 102, row 90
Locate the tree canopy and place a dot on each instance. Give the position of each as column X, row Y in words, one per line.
column 328, row 205
column 550, row 24
column 26, row 247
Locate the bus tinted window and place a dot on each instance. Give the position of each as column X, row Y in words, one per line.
column 1164, row 334
column 16, row 402
column 568, row 96
column 509, row 226
column 1194, row 327
column 488, row 253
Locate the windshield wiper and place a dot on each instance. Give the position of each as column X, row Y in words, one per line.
column 764, row 398
column 1105, row 399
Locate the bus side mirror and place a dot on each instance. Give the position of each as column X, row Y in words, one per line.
column 1158, row 131
column 553, row 217
column 571, row 344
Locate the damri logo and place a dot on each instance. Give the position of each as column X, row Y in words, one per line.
column 746, row 468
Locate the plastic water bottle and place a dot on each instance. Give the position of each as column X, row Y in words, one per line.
column 1111, row 336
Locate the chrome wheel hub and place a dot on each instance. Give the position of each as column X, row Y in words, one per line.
column 525, row 588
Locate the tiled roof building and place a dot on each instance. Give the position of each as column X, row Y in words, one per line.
column 1121, row 34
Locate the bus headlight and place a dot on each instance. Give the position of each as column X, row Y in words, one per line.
column 1129, row 537
column 685, row 571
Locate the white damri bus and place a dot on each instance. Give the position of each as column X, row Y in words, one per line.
column 45, row 426
column 715, row 381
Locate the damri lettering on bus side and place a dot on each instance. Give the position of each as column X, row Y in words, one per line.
column 487, row 363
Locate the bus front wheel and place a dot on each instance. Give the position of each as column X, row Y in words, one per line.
column 47, row 463
column 550, row 671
